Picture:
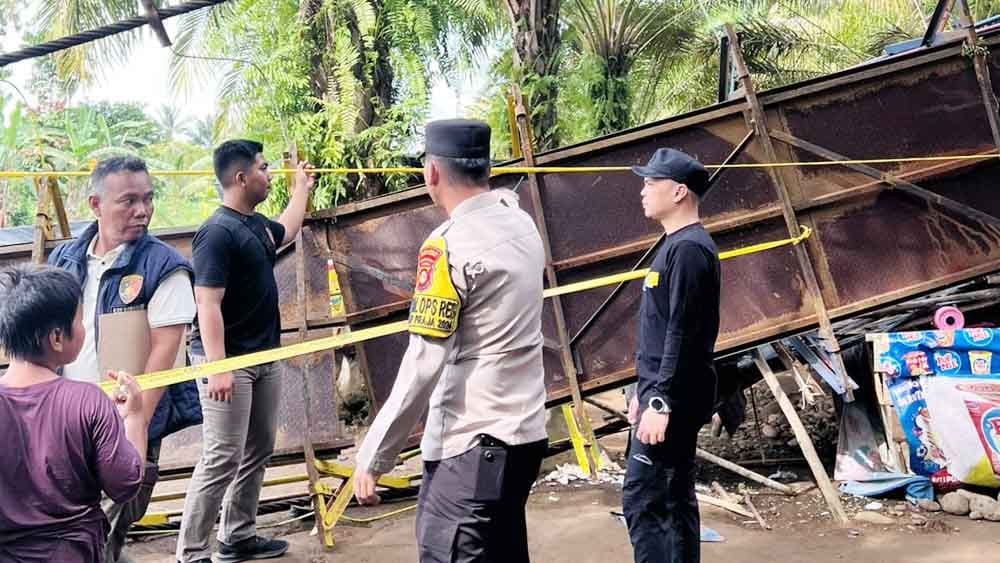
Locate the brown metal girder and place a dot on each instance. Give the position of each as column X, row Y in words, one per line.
column 896, row 183
column 791, row 221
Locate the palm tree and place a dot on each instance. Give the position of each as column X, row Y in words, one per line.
column 171, row 122
column 617, row 34
column 203, row 132
column 83, row 64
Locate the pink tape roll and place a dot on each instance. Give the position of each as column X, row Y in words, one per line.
column 949, row 318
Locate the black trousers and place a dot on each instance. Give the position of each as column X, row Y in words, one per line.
column 658, row 497
column 471, row 506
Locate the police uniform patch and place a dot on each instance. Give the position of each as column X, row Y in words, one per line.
column 129, row 288
column 435, row 307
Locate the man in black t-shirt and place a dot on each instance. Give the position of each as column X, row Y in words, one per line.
column 234, row 254
column 678, row 325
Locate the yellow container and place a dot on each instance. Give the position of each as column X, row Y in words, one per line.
column 336, row 297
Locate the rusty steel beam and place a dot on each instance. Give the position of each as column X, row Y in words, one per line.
column 895, row 182
column 758, row 117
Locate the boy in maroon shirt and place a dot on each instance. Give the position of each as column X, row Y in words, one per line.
column 64, row 441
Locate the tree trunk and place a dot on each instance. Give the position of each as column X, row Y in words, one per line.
column 375, row 95
column 315, row 36
column 612, row 97
column 535, row 24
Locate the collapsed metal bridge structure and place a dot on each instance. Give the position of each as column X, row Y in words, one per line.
column 882, row 233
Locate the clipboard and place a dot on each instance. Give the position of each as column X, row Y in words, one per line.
column 124, row 343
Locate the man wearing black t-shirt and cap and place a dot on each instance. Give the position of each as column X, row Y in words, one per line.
column 234, row 254
column 678, row 325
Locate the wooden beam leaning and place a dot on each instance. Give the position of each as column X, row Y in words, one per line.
column 153, row 17
column 43, row 225
column 981, row 66
column 57, row 203
column 316, row 488
column 895, row 182
column 788, row 211
column 566, row 352
column 826, row 487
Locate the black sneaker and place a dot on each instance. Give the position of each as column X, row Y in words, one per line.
column 257, row 547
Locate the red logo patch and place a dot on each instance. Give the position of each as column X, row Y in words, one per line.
column 425, row 267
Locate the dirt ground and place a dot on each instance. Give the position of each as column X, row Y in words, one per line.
column 574, row 524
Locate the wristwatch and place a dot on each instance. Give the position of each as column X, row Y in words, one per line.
column 656, row 404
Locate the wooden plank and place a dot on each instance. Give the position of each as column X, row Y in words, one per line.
column 753, row 509
column 43, row 225
column 301, row 282
column 566, row 352
column 755, row 477
column 788, row 211
column 57, row 203
column 732, row 507
column 830, row 493
column 981, row 66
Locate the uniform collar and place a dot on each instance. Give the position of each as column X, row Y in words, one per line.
column 109, row 257
column 484, row 200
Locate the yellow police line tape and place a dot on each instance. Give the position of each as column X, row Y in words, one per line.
column 179, row 375
column 500, row 170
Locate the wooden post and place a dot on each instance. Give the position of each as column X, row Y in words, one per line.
column 759, row 121
column 43, row 225
column 57, row 203
column 830, row 494
column 316, row 487
column 565, row 352
column 982, row 68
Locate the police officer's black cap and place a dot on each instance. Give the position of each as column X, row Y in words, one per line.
column 457, row 138
column 675, row 165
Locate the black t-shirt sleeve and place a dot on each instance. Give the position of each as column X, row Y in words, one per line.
column 688, row 275
column 277, row 231
column 212, row 252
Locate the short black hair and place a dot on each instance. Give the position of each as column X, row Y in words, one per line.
column 114, row 165
column 237, row 153
column 470, row 171
column 34, row 301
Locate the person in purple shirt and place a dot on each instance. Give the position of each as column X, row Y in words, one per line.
column 64, row 441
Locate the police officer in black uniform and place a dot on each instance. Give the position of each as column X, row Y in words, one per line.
column 678, row 326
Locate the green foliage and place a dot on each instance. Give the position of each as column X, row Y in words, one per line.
column 75, row 138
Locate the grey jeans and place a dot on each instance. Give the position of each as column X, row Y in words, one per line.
column 121, row 516
column 237, row 442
